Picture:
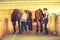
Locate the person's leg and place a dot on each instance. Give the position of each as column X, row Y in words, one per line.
column 46, row 30
column 41, row 28
column 22, row 26
column 37, row 27
column 25, row 26
column 41, row 25
column 14, row 26
column 19, row 26
column 30, row 26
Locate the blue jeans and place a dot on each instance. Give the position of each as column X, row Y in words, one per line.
column 45, row 25
column 23, row 26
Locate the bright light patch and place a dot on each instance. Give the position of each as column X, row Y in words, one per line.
column 54, row 10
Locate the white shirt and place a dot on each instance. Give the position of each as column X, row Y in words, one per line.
column 24, row 16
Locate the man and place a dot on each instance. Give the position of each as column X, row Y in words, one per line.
column 45, row 20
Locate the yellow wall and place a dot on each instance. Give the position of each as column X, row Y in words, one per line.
column 6, row 10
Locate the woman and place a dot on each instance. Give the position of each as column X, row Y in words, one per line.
column 14, row 18
column 29, row 20
column 39, row 18
column 23, row 22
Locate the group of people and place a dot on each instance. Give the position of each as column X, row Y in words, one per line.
column 25, row 18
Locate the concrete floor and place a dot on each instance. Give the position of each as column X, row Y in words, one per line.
column 30, row 37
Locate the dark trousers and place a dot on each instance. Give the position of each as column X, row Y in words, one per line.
column 46, row 30
column 14, row 25
column 41, row 26
column 23, row 26
column 37, row 27
column 19, row 26
column 30, row 26
column 45, row 26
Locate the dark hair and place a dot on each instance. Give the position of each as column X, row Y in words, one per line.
column 45, row 9
column 41, row 11
column 15, row 10
column 28, row 12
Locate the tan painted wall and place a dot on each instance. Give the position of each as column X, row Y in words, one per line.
column 6, row 10
column 7, row 14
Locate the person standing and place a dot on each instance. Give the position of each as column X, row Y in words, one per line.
column 15, row 18
column 23, row 22
column 29, row 20
column 39, row 18
column 45, row 20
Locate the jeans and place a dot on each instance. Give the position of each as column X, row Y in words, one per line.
column 23, row 26
column 45, row 25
